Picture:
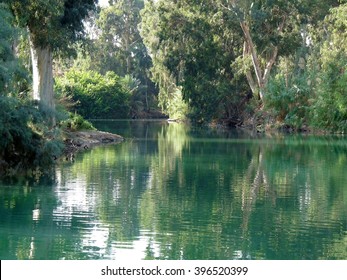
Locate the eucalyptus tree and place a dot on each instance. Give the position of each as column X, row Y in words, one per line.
column 53, row 26
column 150, row 20
column 120, row 48
column 120, row 35
column 270, row 29
column 192, row 49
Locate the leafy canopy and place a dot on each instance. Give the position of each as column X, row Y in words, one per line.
column 54, row 23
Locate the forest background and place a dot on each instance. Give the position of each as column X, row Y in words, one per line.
column 263, row 65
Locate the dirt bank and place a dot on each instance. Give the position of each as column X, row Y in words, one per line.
column 83, row 140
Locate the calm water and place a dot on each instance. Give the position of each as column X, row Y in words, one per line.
column 172, row 192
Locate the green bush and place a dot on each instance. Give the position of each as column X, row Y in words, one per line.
column 96, row 96
column 76, row 122
column 287, row 99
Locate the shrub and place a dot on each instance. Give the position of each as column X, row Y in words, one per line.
column 287, row 99
column 96, row 96
column 76, row 122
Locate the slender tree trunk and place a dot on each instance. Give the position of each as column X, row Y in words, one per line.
column 262, row 78
column 259, row 84
column 249, row 75
column 127, row 45
column 42, row 63
column 255, row 61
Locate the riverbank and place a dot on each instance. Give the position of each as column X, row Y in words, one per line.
column 70, row 142
column 75, row 141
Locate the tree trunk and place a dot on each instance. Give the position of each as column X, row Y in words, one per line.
column 249, row 75
column 255, row 61
column 259, row 83
column 262, row 78
column 42, row 63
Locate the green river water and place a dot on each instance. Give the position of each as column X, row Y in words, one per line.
column 173, row 192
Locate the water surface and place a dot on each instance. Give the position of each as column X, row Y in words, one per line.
column 174, row 192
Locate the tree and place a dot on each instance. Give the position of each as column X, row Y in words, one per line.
column 272, row 29
column 53, row 26
column 160, row 74
column 267, row 26
column 192, row 48
column 120, row 36
column 115, row 45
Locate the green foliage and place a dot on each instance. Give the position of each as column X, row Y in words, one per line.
column 54, row 23
column 192, row 52
column 97, row 96
column 13, row 76
column 6, row 55
column 76, row 122
column 289, row 93
column 176, row 107
column 274, row 23
column 313, row 91
column 120, row 45
column 329, row 107
column 116, row 45
column 199, row 46
column 288, row 100
column 25, row 140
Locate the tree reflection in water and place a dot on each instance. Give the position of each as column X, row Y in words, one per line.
column 173, row 192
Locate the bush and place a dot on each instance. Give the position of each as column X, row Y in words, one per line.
column 96, row 96
column 287, row 99
column 76, row 122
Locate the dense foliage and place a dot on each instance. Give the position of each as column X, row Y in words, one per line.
column 259, row 63
column 25, row 140
column 13, row 77
column 192, row 53
column 28, row 138
column 309, row 88
column 329, row 109
column 96, row 96
column 52, row 23
column 6, row 55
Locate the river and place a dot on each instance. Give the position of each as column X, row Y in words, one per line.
column 173, row 192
